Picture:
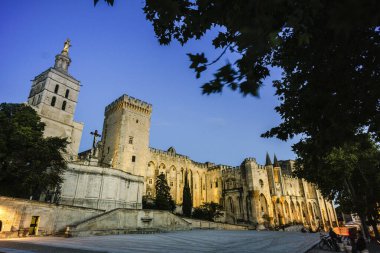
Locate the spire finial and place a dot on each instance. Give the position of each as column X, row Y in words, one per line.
column 267, row 160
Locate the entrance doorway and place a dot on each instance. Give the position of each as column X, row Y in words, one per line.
column 33, row 229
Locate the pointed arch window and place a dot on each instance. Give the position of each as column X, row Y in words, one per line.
column 67, row 93
column 53, row 100
column 64, row 105
column 56, row 89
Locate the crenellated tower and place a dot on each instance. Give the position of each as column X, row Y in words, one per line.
column 54, row 95
column 125, row 138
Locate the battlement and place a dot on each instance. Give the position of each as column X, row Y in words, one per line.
column 229, row 169
column 167, row 153
column 250, row 159
column 200, row 165
column 261, row 167
column 126, row 101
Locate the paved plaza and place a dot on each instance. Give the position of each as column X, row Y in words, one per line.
column 183, row 241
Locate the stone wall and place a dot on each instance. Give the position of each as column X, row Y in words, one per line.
column 101, row 188
column 16, row 216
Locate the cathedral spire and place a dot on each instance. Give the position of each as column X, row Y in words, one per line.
column 267, row 160
column 275, row 162
column 62, row 60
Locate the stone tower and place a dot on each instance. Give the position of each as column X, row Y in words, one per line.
column 54, row 95
column 125, row 141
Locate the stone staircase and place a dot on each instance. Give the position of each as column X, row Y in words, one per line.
column 128, row 221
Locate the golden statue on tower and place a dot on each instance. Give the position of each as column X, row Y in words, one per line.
column 66, row 46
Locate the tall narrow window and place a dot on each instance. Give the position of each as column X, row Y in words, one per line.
column 56, row 89
column 133, row 158
column 130, row 140
column 53, row 101
column 64, row 105
column 67, row 93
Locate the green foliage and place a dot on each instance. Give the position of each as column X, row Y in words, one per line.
column 208, row 211
column 187, row 204
column 283, row 33
column 163, row 200
column 29, row 163
column 148, row 203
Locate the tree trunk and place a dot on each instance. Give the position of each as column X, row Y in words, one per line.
column 361, row 214
column 364, row 225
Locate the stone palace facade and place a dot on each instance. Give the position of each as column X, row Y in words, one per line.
column 121, row 168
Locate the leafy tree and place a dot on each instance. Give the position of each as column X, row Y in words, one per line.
column 163, row 200
column 356, row 167
column 148, row 203
column 208, row 211
column 187, row 204
column 29, row 164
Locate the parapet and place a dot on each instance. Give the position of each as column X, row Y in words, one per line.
column 129, row 102
column 168, row 153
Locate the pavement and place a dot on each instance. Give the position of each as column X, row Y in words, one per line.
column 181, row 241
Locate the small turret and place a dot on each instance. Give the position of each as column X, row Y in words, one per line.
column 62, row 61
column 267, row 160
column 275, row 162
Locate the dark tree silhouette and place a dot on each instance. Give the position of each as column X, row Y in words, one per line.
column 187, row 204
column 163, row 200
column 208, row 211
column 29, row 164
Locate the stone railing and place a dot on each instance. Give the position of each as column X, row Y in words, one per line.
column 203, row 224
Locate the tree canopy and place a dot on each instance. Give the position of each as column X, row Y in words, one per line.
column 29, row 163
column 208, row 211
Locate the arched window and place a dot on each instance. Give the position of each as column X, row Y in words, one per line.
column 56, row 89
column 53, row 101
column 67, row 93
column 64, row 105
column 261, row 182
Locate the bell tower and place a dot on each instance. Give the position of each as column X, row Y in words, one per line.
column 54, row 95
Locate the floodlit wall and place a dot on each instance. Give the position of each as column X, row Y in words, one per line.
column 101, row 188
column 16, row 216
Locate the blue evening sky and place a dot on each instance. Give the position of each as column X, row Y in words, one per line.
column 115, row 52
